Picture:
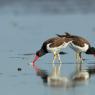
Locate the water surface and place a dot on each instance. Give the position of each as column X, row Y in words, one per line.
column 24, row 33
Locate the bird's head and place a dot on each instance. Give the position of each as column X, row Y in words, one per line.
column 91, row 50
column 39, row 54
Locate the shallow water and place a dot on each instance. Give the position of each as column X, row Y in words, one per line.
column 24, row 33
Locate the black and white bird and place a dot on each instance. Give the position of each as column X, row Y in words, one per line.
column 53, row 45
column 56, row 44
column 80, row 45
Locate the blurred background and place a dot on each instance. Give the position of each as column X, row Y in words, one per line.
column 48, row 6
column 24, row 26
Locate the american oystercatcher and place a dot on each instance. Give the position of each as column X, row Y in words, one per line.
column 52, row 45
column 56, row 44
column 79, row 45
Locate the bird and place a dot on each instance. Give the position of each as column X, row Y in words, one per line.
column 79, row 45
column 53, row 45
column 56, row 44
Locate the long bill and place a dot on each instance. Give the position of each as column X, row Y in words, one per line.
column 33, row 63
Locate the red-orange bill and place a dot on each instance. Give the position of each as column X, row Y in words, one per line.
column 35, row 59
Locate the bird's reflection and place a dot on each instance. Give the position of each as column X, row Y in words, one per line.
column 69, row 81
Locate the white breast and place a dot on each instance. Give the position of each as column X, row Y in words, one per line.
column 57, row 49
column 78, row 48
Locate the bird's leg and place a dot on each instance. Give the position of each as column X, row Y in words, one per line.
column 54, row 58
column 55, row 68
column 77, row 62
column 81, row 60
column 53, row 61
column 59, row 62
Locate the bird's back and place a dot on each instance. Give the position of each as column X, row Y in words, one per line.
column 55, row 42
column 79, row 41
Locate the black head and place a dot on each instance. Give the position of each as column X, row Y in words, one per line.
column 91, row 50
column 40, row 53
